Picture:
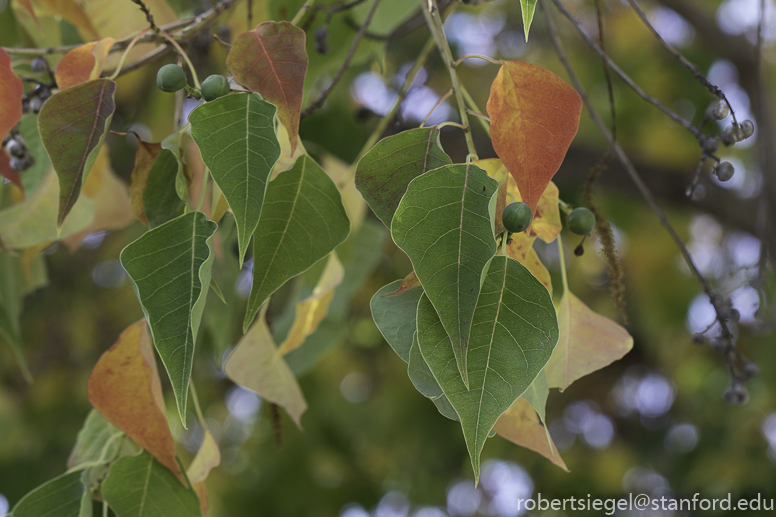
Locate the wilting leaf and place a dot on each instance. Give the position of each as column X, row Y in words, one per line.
column 385, row 171
column 588, row 342
column 534, row 116
column 444, row 223
column 125, row 388
column 271, row 60
column 34, row 220
column 161, row 202
column 311, row 311
column 146, row 155
column 258, row 365
column 395, row 316
column 208, row 457
column 170, row 268
column 236, row 135
column 521, row 426
column 302, row 221
column 139, row 486
column 514, row 331
column 63, row 496
column 83, row 63
column 11, row 99
column 528, row 7
column 73, row 124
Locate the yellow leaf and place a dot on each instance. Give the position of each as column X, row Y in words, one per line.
column 208, row 457
column 521, row 425
column 311, row 311
column 521, row 249
column 588, row 342
column 343, row 176
column 256, row 365
column 496, row 170
column 71, row 11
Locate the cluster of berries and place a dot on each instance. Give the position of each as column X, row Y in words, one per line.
column 33, row 100
column 21, row 159
column 517, row 217
column 172, row 78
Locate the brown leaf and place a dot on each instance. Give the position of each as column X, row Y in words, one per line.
column 125, row 388
column 145, row 156
column 11, row 99
column 272, row 60
column 534, row 117
column 521, row 425
column 83, row 63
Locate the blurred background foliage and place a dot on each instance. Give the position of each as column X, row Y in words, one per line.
column 654, row 422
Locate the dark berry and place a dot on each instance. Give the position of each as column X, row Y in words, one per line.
column 214, row 87
column 517, row 217
column 322, row 40
column 15, row 148
column 170, row 78
column 35, row 105
column 750, row 369
column 724, row 171
column 580, row 221
column 18, row 164
column 39, row 65
column 747, row 128
column 719, row 110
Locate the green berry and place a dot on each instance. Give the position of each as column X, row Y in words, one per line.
column 517, row 217
column 170, row 78
column 214, row 87
column 580, row 221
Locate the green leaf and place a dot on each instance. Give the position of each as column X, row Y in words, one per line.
column 63, row 496
column 383, row 174
column 170, row 269
column 32, row 177
column 160, row 199
column 421, row 377
column 445, row 224
column 98, row 441
column 514, row 332
column 537, row 394
column 395, row 317
column 528, row 7
column 236, row 134
column 73, row 124
column 302, row 221
column 140, row 486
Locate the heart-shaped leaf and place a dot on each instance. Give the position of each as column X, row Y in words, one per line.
column 444, row 223
column 236, row 135
column 395, row 317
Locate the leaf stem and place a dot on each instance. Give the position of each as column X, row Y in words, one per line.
column 442, row 99
column 197, row 407
column 302, row 11
column 484, row 121
column 430, row 11
column 116, row 72
column 184, row 56
column 479, row 56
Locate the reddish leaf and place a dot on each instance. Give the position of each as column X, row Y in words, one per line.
column 125, row 388
column 11, row 99
column 8, row 173
column 521, row 425
column 534, row 117
column 72, row 125
column 83, row 63
column 272, row 60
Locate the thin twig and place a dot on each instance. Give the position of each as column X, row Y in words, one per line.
column 148, row 15
column 479, row 56
column 474, row 109
column 607, row 74
column 442, row 99
column 630, row 82
column 317, row 103
column 302, row 11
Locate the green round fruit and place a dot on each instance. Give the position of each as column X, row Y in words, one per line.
column 170, row 78
column 214, row 87
column 580, row 221
column 517, row 217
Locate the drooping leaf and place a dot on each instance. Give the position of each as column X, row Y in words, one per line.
column 514, row 331
column 11, row 99
column 34, row 220
column 534, row 116
column 145, row 157
column 521, row 426
column 236, row 135
column 257, row 364
column 170, row 268
column 271, row 60
column 139, row 486
column 63, row 496
column 161, row 202
column 444, row 223
column 528, row 7
column 73, row 124
column 313, row 309
column 395, row 316
column 208, row 457
column 125, row 388
column 302, row 221
column 83, row 63
column 588, row 342
column 385, row 171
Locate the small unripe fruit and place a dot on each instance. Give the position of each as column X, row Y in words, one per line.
column 580, row 221
column 517, row 217
column 719, row 110
column 214, row 87
column 724, row 171
column 170, row 78
column 39, row 65
column 747, row 128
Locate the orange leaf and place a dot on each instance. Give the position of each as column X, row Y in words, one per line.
column 145, row 157
column 201, row 491
column 125, row 388
column 11, row 99
column 83, row 63
column 521, row 425
column 588, row 342
column 534, row 116
column 8, row 173
column 272, row 60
